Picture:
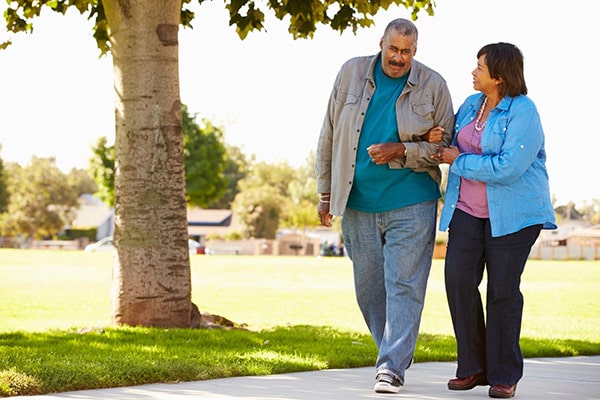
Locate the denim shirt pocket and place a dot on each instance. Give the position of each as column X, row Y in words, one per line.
column 495, row 141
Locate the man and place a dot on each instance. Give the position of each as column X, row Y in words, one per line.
column 374, row 167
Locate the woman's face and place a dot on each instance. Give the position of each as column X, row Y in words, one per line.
column 482, row 80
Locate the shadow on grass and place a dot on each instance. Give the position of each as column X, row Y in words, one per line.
column 58, row 361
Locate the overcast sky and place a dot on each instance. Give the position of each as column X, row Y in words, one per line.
column 269, row 92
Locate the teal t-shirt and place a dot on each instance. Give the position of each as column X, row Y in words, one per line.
column 378, row 188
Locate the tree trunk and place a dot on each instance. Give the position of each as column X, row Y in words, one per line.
column 151, row 277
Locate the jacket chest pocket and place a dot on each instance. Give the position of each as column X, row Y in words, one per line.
column 423, row 110
column 420, row 119
column 497, row 136
column 345, row 97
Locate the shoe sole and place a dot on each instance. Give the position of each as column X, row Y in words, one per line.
column 479, row 382
column 497, row 395
column 386, row 389
column 452, row 387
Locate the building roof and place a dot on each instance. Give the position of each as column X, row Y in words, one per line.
column 203, row 222
column 209, row 217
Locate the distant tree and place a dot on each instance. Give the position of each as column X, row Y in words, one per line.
column 262, row 197
column 80, row 180
column 102, row 169
column 205, row 160
column 590, row 211
column 236, row 169
column 278, row 175
column 3, row 187
column 41, row 201
column 568, row 212
column 259, row 209
column 301, row 202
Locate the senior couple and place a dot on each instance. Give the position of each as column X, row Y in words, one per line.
column 388, row 126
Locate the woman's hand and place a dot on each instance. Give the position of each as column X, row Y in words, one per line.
column 445, row 155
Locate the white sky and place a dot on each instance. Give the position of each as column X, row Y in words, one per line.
column 269, row 92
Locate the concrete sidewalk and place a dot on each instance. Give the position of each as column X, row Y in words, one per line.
column 573, row 378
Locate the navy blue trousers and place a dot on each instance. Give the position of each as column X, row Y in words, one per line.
column 487, row 342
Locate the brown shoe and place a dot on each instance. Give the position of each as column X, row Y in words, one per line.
column 467, row 383
column 502, row 391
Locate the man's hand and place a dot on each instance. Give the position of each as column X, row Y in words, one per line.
column 434, row 135
column 383, row 153
column 323, row 209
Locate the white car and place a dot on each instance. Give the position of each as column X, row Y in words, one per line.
column 106, row 244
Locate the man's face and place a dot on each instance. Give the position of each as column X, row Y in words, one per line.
column 397, row 52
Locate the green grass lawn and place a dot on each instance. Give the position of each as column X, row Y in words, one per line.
column 300, row 314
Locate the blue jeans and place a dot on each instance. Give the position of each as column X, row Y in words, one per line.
column 391, row 254
column 487, row 343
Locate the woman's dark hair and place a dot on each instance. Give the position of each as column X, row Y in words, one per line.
column 505, row 61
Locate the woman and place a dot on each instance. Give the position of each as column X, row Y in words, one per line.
column 497, row 201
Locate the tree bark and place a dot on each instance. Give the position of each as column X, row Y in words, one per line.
column 151, row 277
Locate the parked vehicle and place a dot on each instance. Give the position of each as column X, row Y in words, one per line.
column 195, row 247
column 106, row 244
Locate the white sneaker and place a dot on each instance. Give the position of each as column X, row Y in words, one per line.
column 386, row 383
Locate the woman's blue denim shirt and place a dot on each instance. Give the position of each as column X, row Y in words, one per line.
column 512, row 165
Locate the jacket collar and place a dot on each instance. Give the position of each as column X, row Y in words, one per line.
column 413, row 75
column 504, row 104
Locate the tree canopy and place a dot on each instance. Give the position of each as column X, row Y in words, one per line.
column 304, row 16
column 41, row 200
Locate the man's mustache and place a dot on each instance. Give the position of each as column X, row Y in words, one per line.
column 397, row 64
